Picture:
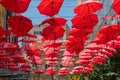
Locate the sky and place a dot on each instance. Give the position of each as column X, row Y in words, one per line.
column 66, row 11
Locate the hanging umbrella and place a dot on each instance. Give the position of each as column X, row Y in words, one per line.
column 115, row 6
column 52, row 63
column 53, row 44
column 98, row 60
column 64, row 71
column 31, row 35
column 75, row 45
column 114, row 43
column 27, row 41
column 88, row 7
column 51, row 33
column 83, row 62
column 78, row 32
column 51, row 71
column 92, row 46
column 25, row 68
column 68, row 54
column 85, row 22
column 54, row 21
column 38, row 71
column 50, row 7
column 54, row 54
column 19, row 25
column 30, row 47
column 67, row 63
column 9, row 46
column 109, row 32
column 17, row 6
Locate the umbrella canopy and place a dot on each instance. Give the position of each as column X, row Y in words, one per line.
column 9, row 46
column 88, row 7
column 54, row 21
column 51, row 33
column 64, row 71
column 115, row 6
column 17, row 6
column 53, row 44
column 109, row 32
column 51, row 71
column 20, row 25
column 31, row 35
column 78, row 32
column 85, row 22
column 50, row 7
column 75, row 45
column 38, row 71
column 68, row 54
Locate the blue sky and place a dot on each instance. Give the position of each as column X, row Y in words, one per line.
column 66, row 11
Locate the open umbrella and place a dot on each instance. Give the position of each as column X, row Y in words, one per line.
column 79, row 32
column 31, row 35
column 51, row 33
column 51, row 71
column 88, row 7
column 50, row 7
column 109, row 32
column 115, row 6
column 20, row 25
column 54, row 21
column 85, row 22
column 64, row 71
column 17, row 6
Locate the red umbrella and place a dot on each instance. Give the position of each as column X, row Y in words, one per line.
column 51, row 33
column 78, row 32
column 109, row 32
column 75, row 45
column 83, row 62
column 67, row 63
column 31, row 35
column 88, row 7
column 38, row 71
column 53, row 44
column 20, row 25
column 17, row 6
column 25, row 68
column 9, row 46
column 92, row 46
column 33, row 53
column 116, row 5
column 52, row 63
column 54, row 54
column 54, row 21
column 64, row 71
column 98, row 60
column 27, row 41
column 30, row 47
column 114, row 43
column 51, row 71
column 85, row 22
column 68, row 54
column 50, row 7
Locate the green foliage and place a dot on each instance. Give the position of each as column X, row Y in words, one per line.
column 108, row 71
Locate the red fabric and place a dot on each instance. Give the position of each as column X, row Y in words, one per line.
column 51, row 71
column 19, row 25
column 88, row 7
column 85, row 22
column 51, row 33
column 50, row 7
column 115, row 6
column 17, row 6
column 54, row 21
column 79, row 32
column 31, row 35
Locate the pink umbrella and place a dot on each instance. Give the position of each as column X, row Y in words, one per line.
column 54, row 54
column 68, row 54
column 64, row 71
column 67, row 63
column 51, row 71
column 51, row 63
